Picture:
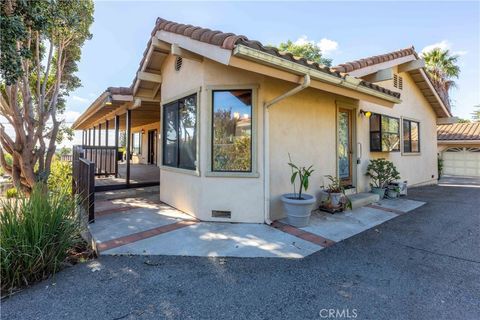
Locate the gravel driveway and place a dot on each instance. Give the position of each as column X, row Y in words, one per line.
column 421, row 265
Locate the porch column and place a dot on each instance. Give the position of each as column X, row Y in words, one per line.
column 93, row 140
column 117, row 127
column 106, row 133
column 128, row 137
column 99, row 134
column 83, row 137
column 89, row 136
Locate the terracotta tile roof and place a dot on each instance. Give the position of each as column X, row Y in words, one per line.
column 120, row 90
column 458, row 131
column 369, row 61
column 230, row 40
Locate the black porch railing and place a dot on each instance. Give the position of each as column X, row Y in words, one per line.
column 104, row 159
column 83, row 182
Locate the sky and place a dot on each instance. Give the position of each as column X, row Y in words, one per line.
column 345, row 31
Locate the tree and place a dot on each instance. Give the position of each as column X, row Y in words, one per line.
column 40, row 46
column 476, row 113
column 307, row 50
column 442, row 68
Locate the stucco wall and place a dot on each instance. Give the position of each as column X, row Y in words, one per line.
column 304, row 125
column 197, row 193
column 143, row 156
column 417, row 169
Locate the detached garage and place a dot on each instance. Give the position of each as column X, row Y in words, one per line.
column 459, row 147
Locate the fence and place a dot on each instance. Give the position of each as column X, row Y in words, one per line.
column 104, row 159
column 83, row 182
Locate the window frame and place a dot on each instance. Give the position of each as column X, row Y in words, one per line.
column 163, row 104
column 410, row 120
column 254, row 127
column 381, row 132
column 140, row 140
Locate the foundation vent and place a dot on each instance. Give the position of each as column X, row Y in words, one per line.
column 221, row 214
column 178, row 63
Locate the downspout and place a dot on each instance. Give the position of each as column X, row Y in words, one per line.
column 266, row 142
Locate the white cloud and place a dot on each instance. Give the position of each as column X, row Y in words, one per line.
column 70, row 116
column 79, row 99
column 327, row 46
column 444, row 45
column 303, row 40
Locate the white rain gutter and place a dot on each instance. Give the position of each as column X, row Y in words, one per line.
column 266, row 142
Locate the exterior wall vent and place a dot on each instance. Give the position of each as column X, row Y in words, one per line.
column 178, row 63
column 397, row 81
column 221, row 214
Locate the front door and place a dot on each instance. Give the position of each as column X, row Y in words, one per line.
column 152, row 146
column 345, row 150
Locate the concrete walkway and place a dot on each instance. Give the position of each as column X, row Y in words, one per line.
column 145, row 226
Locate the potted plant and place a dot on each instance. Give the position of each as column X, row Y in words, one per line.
column 393, row 191
column 333, row 196
column 381, row 172
column 298, row 205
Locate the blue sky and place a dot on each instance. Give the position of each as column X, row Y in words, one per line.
column 345, row 30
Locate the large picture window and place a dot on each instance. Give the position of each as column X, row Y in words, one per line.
column 232, row 131
column 384, row 133
column 411, row 136
column 180, row 133
column 137, row 142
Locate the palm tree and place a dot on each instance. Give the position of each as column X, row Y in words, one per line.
column 442, row 68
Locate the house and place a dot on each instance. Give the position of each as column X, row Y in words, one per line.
column 218, row 115
column 459, row 147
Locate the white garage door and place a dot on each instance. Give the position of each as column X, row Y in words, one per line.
column 462, row 162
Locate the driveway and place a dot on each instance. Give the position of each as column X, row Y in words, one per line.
column 421, row 265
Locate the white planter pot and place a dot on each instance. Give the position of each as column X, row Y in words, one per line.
column 335, row 198
column 298, row 211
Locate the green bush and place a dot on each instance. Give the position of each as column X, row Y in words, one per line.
column 60, row 179
column 11, row 193
column 381, row 173
column 36, row 233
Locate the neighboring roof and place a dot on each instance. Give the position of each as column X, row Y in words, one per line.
column 369, row 61
column 227, row 40
column 458, row 131
column 351, row 66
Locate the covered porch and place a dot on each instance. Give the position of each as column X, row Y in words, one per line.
column 120, row 140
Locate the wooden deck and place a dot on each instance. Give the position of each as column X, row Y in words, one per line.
column 139, row 173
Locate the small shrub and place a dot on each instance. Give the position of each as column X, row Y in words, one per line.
column 36, row 233
column 440, row 167
column 60, row 179
column 382, row 172
column 11, row 193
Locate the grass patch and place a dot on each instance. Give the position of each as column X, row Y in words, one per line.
column 37, row 235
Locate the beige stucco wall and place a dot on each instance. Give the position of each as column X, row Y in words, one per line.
column 417, row 169
column 303, row 125
column 143, row 156
column 195, row 192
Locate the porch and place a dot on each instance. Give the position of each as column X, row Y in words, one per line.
column 135, row 222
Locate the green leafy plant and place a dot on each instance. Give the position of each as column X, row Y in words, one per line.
column 440, row 167
column 382, row 172
column 60, row 178
column 335, row 186
column 303, row 174
column 36, row 234
column 11, row 193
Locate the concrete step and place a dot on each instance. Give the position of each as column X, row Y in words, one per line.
column 129, row 193
column 362, row 199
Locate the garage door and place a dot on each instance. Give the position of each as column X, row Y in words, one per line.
column 461, row 162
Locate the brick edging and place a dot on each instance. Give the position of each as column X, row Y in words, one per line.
column 114, row 243
column 304, row 235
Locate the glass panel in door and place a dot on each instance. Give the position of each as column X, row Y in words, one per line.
column 344, row 151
